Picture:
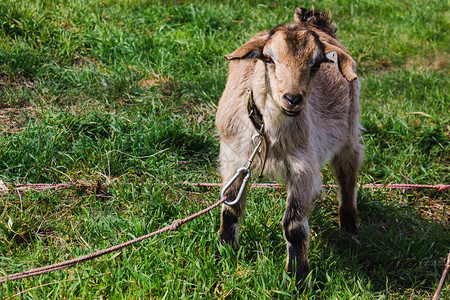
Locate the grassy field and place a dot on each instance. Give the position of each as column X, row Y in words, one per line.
column 125, row 93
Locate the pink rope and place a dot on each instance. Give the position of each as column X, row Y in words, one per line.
column 439, row 187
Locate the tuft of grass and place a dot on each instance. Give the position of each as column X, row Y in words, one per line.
column 125, row 93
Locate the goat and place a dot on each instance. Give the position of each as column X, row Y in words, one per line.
column 304, row 84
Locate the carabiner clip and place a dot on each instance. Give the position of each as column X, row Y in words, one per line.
column 254, row 137
column 241, row 190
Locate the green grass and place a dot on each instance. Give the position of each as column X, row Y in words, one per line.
column 125, row 92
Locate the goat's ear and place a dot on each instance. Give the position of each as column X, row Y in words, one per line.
column 347, row 65
column 252, row 49
column 331, row 56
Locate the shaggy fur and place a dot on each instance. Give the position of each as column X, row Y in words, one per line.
column 305, row 85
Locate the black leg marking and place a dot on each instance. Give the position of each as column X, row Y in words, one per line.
column 228, row 228
column 296, row 233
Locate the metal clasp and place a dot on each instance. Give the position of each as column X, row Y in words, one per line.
column 241, row 190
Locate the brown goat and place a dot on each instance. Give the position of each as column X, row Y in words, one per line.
column 305, row 86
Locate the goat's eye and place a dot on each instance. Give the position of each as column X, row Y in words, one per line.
column 268, row 60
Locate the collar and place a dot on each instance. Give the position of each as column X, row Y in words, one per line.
column 256, row 118
column 254, row 114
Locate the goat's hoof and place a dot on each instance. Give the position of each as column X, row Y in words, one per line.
column 350, row 227
column 224, row 244
column 300, row 276
column 348, row 222
column 303, row 284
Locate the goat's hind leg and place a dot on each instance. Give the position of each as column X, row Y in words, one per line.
column 346, row 165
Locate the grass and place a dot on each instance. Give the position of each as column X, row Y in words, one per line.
column 125, row 92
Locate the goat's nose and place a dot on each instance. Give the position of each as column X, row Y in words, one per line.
column 293, row 99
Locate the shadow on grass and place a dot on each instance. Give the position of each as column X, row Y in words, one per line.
column 397, row 248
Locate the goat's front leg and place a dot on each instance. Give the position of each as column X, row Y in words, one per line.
column 301, row 194
column 232, row 215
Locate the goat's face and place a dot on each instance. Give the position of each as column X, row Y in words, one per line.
column 292, row 59
column 292, row 55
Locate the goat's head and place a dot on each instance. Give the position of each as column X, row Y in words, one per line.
column 292, row 54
